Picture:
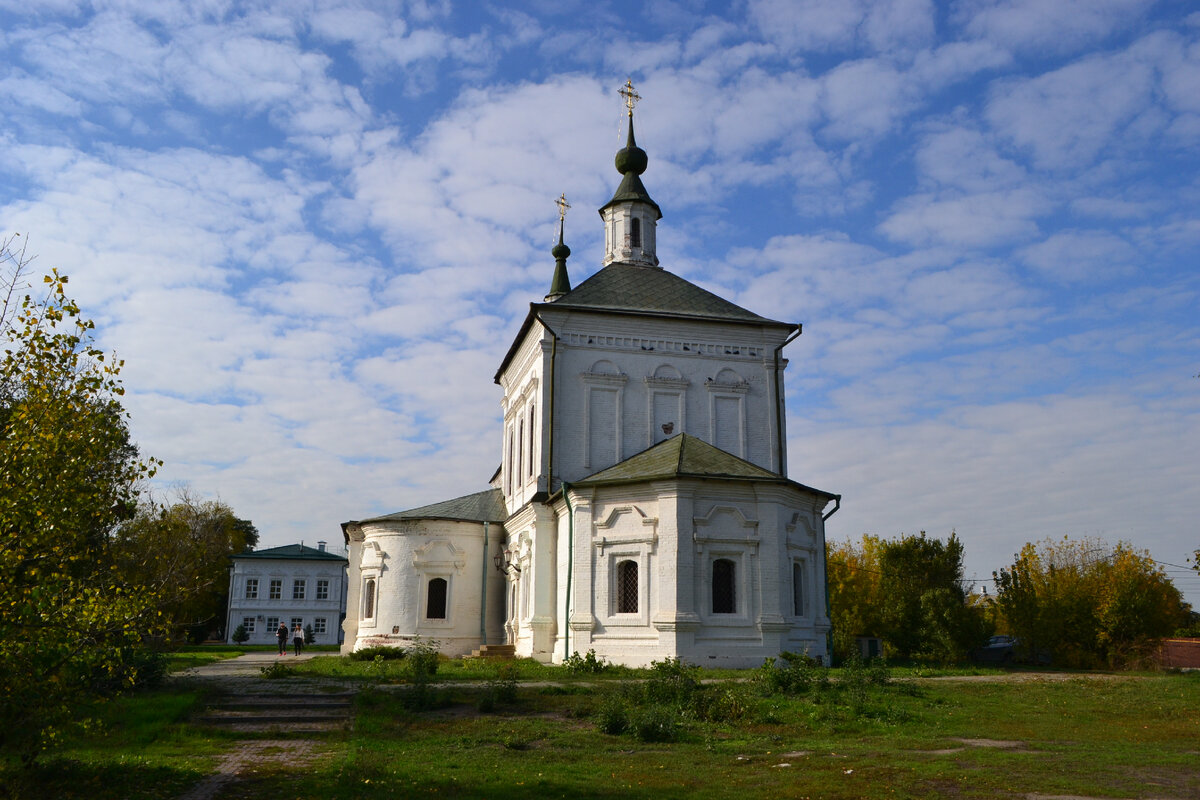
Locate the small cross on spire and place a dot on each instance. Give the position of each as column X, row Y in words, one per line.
column 630, row 94
column 563, row 205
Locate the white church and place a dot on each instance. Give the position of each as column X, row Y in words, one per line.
column 642, row 507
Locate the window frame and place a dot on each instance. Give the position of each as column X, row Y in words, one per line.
column 437, row 580
column 275, row 589
column 299, row 588
column 250, row 591
column 728, row 585
column 322, row 589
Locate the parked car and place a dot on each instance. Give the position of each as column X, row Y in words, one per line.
column 1008, row 650
column 998, row 650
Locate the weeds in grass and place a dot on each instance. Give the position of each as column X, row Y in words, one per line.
column 589, row 664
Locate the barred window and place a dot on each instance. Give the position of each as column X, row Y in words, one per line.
column 252, row 588
column 435, row 603
column 724, row 596
column 627, row 587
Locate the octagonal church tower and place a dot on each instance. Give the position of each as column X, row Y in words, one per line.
column 642, row 507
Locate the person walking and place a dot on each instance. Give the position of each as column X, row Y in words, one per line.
column 298, row 639
column 281, row 635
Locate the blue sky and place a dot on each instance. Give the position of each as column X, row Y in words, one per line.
column 312, row 229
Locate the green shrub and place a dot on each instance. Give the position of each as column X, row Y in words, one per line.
column 382, row 652
column 585, row 665
column 672, row 682
column 613, row 716
column 792, row 673
column 655, row 723
column 239, row 635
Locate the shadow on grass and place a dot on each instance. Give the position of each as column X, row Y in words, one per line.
column 65, row 779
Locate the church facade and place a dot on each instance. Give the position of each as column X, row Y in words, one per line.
column 642, row 507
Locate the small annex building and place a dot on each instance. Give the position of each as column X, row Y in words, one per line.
column 293, row 584
column 642, row 508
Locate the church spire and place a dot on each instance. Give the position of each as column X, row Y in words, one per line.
column 631, row 215
column 560, row 284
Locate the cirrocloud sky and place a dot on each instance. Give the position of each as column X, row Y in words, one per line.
column 311, row 229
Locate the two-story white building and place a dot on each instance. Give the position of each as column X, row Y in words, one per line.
column 642, row 507
column 293, row 584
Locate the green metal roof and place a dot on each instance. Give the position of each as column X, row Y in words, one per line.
column 685, row 456
column 292, row 551
column 486, row 506
column 653, row 290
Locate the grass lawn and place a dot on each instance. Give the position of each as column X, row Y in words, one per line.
column 1093, row 736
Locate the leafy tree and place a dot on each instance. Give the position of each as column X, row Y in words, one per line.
column 1086, row 602
column 70, row 626
column 182, row 551
column 925, row 610
column 855, row 602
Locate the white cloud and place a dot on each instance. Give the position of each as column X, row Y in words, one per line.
column 1081, row 256
column 1036, row 25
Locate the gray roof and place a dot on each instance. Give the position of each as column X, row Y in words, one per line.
column 291, row 551
column 486, row 506
column 653, row 290
column 685, row 456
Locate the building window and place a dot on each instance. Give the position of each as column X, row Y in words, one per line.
column 531, row 430
column 369, row 598
column 508, row 470
column 248, row 624
column 323, row 589
column 635, row 232
column 276, row 589
column 319, row 626
column 298, row 587
column 724, row 596
column 627, row 587
column 797, row 588
column 435, row 602
column 252, row 588
column 520, row 450
column 272, row 623
column 297, row 621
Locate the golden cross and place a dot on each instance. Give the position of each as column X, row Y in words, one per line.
column 631, row 96
column 563, row 205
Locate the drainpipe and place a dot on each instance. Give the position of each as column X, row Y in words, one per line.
column 566, row 490
column 837, row 504
column 779, row 401
column 483, row 589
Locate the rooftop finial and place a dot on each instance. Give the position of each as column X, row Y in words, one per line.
column 560, row 284
column 630, row 94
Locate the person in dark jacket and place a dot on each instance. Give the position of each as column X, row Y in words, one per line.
column 281, row 635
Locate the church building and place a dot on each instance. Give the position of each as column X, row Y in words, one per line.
column 642, row 507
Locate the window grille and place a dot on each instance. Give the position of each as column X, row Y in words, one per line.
column 248, row 624
column 276, row 589
column 627, row 587
column 322, row 590
column 298, row 587
column 252, row 588
column 319, row 626
column 272, row 623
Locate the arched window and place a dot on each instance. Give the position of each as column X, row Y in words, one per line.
column 635, row 232
column 724, row 597
column 627, row 587
column 435, row 601
column 508, row 468
column 369, row 598
column 797, row 588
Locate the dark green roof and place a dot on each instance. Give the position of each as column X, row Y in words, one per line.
column 292, row 551
column 685, row 456
column 486, row 506
column 653, row 290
